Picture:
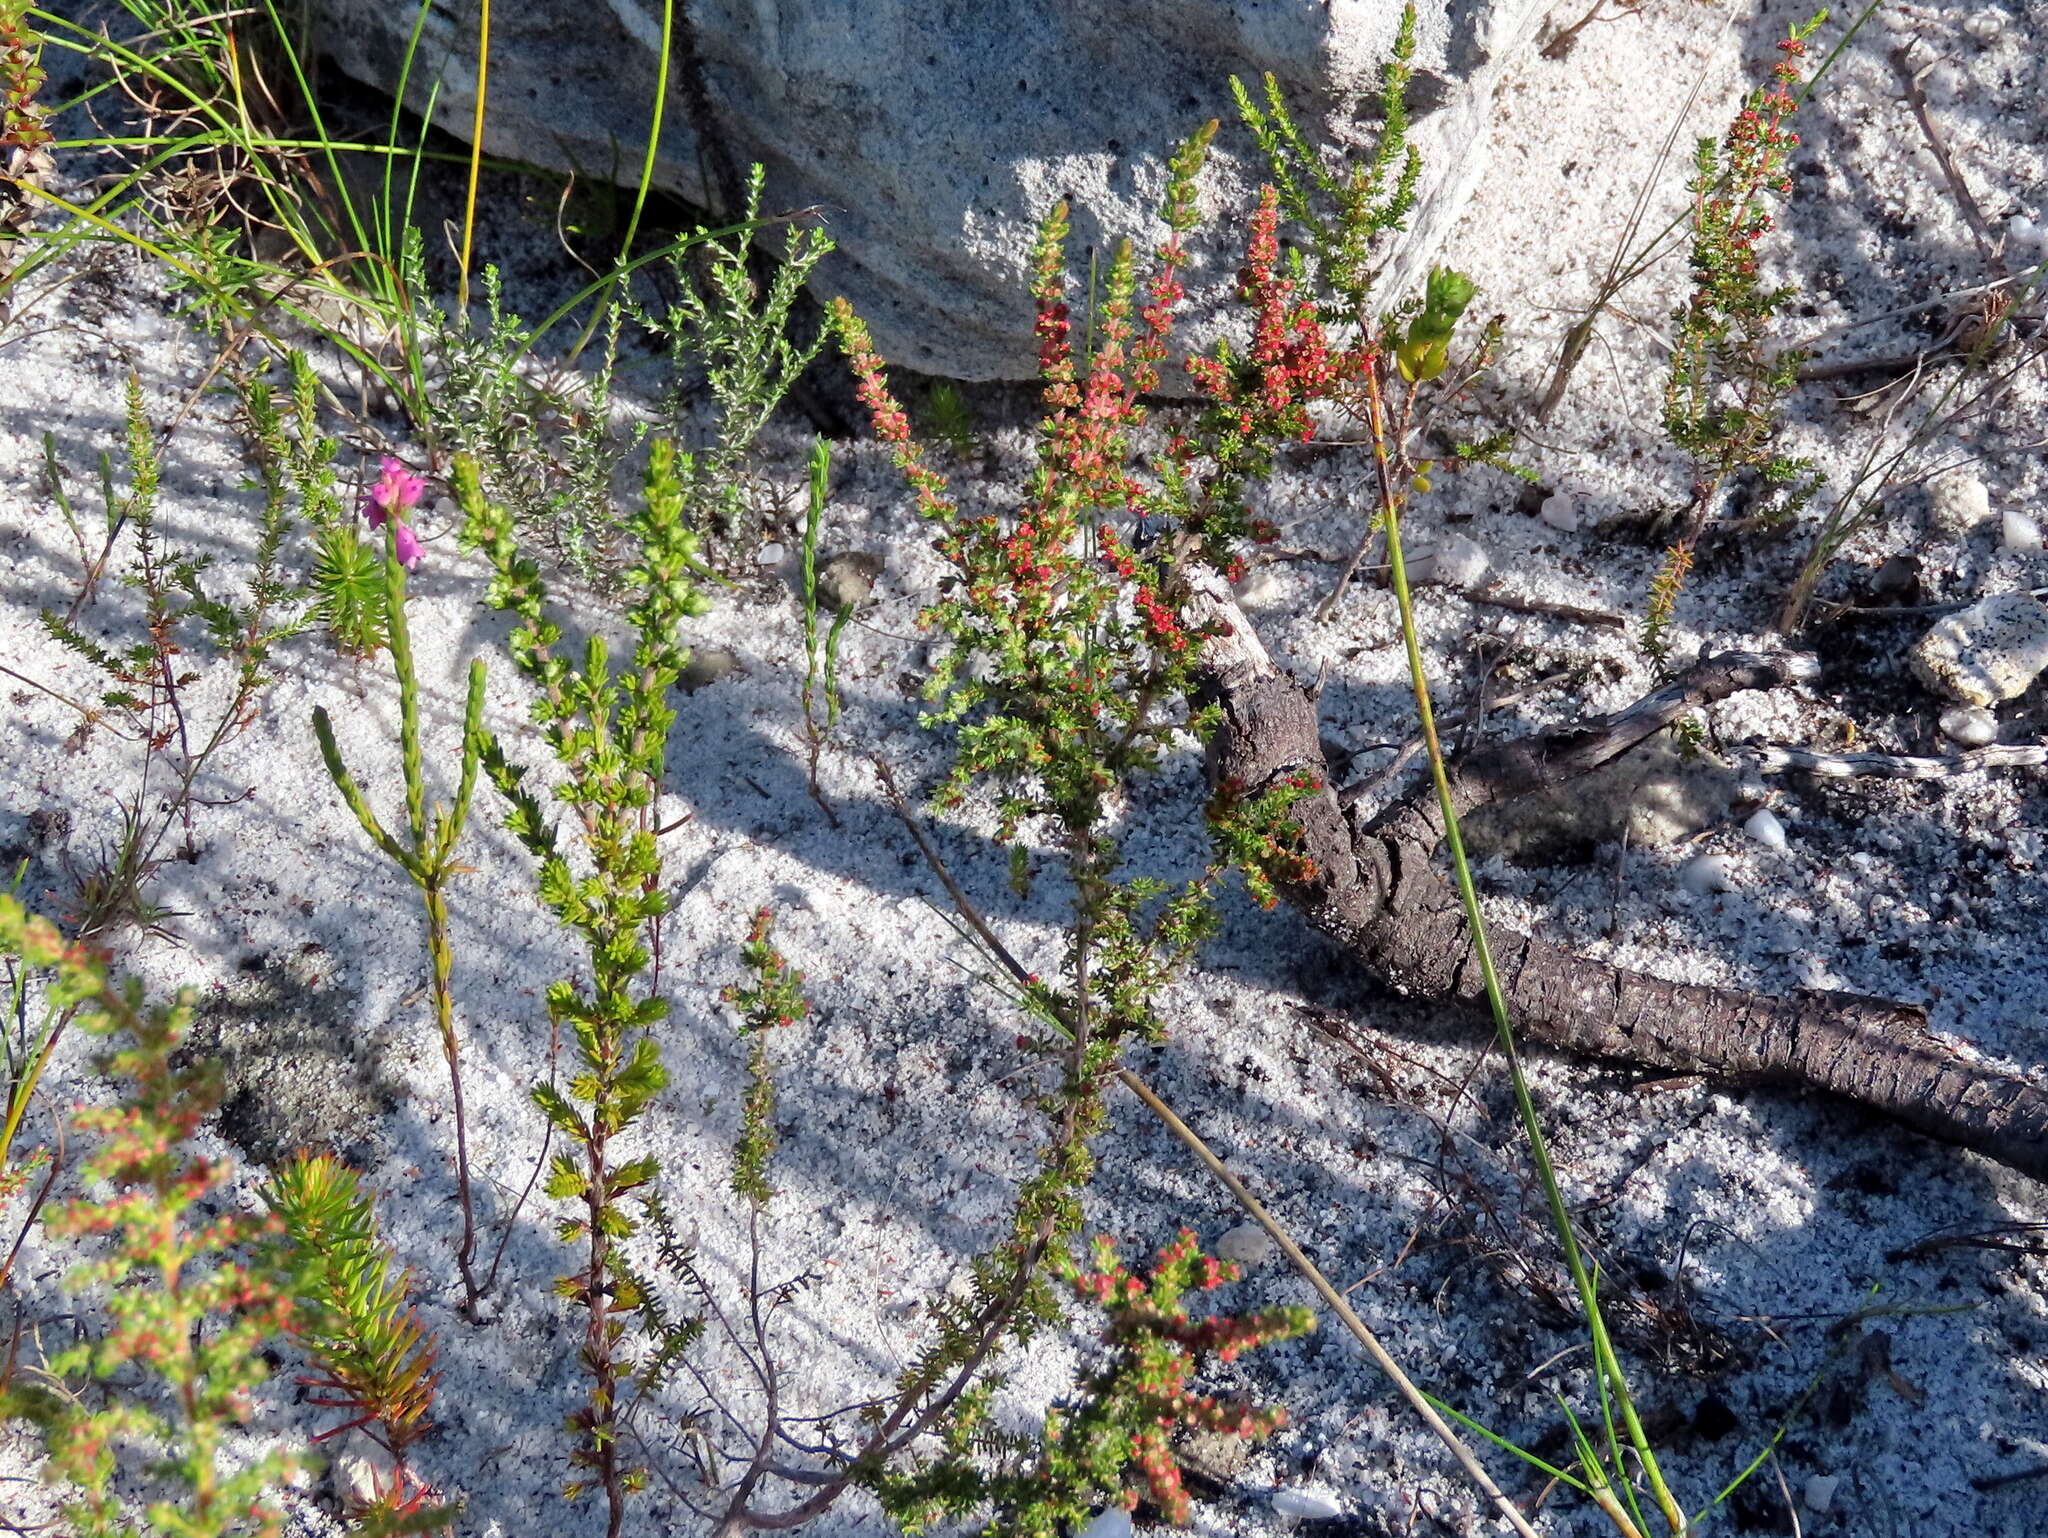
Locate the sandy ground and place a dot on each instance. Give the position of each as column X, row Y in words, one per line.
column 1737, row 1231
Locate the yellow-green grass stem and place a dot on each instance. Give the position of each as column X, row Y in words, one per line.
column 1607, row 1367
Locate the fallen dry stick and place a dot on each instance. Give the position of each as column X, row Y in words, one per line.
column 1378, row 894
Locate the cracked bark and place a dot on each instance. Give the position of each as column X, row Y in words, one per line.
column 1379, row 895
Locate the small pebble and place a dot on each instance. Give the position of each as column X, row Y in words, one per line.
column 706, row 666
column 770, row 555
column 1968, row 726
column 1764, row 827
column 846, row 580
column 1820, row 1491
column 1260, row 588
column 1454, row 561
column 1897, row 579
column 1708, row 874
column 1984, row 25
column 1247, row 1244
column 1113, row 1522
column 1308, row 1505
column 2019, row 532
column 1560, row 511
column 2024, row 234
column 1957, row 503
column 1991, row 651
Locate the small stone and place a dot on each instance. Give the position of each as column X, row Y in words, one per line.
column 1113, row 1522
column 1247, row 1244
column 706, row 666
column 1991, row 651
column 1560, row 511
column 1454, row 561
column 1968, row 726
column 770, row 554
column 1307, row 1505
column 1764, row 827
column 1216, row 1456
column 1820, row 1491
column 1957, row 503
column 846, row 580
column 1897, row 580
column 1984, row 25
column 1260, row 588
column 2019, row 532
column 2023, row 233
column 1708, row 874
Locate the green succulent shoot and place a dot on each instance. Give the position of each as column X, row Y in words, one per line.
column 1426, row 349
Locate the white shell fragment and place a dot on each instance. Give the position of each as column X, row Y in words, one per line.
column 1967, row 726
column 1820, row 1491
column 1308, row 1505
column 1454, row 561
column 1989, row 652
column 1709, row 873
column 1114, row 1522
column 1957, row 503
column 1560, row 511
column 2019, row 532
column 1247, row 1244
column 1764, row 827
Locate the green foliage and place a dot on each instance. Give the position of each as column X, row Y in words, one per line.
column 1256, row 835
column 733, row 330
column 950, row 419
column 144, row 694
column 346, row 583
column 775, row 997
column 1426, row 348
column 427, row 853
column 609, row 733
column 183, row 1310
column 821, row 655
column 1728, row 384
column 1343, row 218
column 351, row 1316
column 1120, row 1419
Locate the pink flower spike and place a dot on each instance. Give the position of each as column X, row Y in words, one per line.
column 396, row 493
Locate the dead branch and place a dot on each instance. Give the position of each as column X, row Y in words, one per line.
column 1378, row 894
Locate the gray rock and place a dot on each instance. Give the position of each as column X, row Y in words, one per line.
column 936, row 135
column 1247, row 1244
column 1991, row 651
column 846, row 580
column 1657, row 795
column 706, row 666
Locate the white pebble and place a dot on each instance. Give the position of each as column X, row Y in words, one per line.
column 1247, row 1244
column 2024, row 233
column 1262, row 587
column 1560, row 511
column 770, row 555
column 2019, row 532
column 1707, row 874
column 1309, row 1505
column 1969, row 726
column 1957, row 503
column 1454, row 561
column 1820, row 1491
column 1991, row 651
column 1984, row 25
column 1764, row 827
column 1114, row 1522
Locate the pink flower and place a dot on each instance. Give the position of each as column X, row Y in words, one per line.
column 396, row 493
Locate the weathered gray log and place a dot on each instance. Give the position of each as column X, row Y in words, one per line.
column 1379, row 895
